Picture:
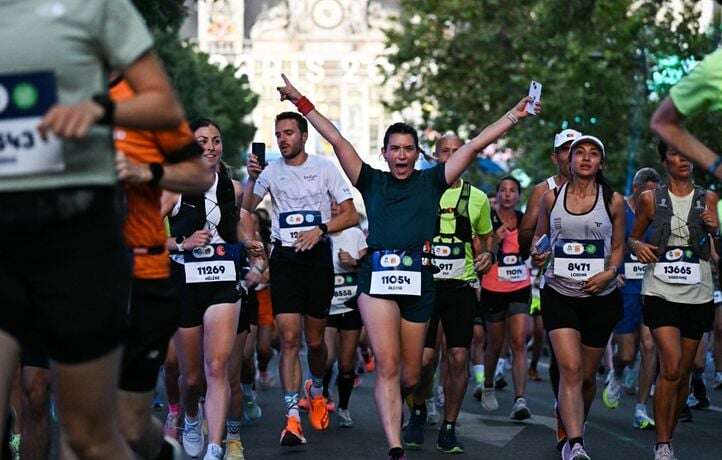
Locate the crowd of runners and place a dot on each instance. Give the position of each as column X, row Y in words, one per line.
column 132, row 248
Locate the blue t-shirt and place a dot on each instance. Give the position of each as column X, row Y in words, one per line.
column 631, row 287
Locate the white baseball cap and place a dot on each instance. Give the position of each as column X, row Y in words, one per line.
column 589, row 139
column 565, row 136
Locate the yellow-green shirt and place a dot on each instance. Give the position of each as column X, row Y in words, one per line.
column 479, row 215
column 702, row 88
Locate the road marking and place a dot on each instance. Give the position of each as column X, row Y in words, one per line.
column 500, row 431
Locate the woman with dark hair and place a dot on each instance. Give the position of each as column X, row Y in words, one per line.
column 395, row 279
column 584, row 224
column 204, row 231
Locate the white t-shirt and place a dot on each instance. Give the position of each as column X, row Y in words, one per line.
column 353, row 241
column 306, row 189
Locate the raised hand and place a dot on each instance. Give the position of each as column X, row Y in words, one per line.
column 288, row 91
column 519, row 110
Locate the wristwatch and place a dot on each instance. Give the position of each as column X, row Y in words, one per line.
column 179, row 243
column 324, row 229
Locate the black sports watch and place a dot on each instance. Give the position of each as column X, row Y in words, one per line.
column 157, row 171
column 108, row 105
column 324, row 229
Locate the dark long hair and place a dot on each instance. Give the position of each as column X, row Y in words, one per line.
column 223, row 167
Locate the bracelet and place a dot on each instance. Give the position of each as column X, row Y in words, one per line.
column 304, row 106
column 108, row 106
column 713, row 167
column 157, row 171
column 512, row 118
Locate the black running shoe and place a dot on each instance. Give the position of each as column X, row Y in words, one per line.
column 447, row 442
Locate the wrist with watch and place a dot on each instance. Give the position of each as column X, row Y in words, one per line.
column 324, row 229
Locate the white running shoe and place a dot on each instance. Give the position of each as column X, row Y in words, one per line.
column 214, row 452
column 642, row 420
column 344, row 418
column 432, row 414
column 520, row 411
column 488, row 399
column 574, row 453
column 234, row 450
column 193, row 438
column 612, row 393
column 664, row 452
column 170, row 427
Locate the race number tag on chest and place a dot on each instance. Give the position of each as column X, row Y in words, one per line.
column 633, row 268
column 396, row 272
column 512, row 268
column 578, row 260
column 451, row 260
column 24, row 99
column 678, row 265
column 290, row 224
column 345, row 285
column 211, row 264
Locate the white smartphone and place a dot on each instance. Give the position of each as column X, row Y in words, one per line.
column 535, row 89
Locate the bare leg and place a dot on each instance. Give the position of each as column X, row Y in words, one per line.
column 519, row 326
column 36, row 411
column 568, row 350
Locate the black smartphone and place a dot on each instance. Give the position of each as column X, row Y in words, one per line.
column 259, row 151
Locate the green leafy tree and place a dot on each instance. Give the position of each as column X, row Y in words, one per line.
column 205, row 90
column 467, row 61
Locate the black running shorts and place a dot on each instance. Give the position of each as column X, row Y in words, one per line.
column 349, row 321
column 454, row 307
column 692, row 320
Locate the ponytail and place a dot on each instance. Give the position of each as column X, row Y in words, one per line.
column 607, row 190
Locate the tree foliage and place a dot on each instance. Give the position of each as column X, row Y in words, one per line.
column 205, row 90
column 467, row 61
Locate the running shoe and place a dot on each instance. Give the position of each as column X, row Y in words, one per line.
column 397, row 453
column 265, row 380
column 477, row 392
column 488, row 399
column 369, row 363
column 344, row 418
column 560, row 431
column 193, row 439
column 251, row 410
column 699, row 390
column 642, row 420
column 414, row 431
column 533, row 375
column 520, row 411
column 574, row 453
column 500, row 383
column 330, row 405
column 317, row 412
column 214, row 452
column 664, row 452
column 717, row 383
column 234, row 450
column 447, row 442
column 685, row 415
column 170, row 427
column 612, row 393
column 15, row 444
column 432, row 415
column 292, row 435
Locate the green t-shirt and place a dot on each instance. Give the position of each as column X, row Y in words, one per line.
column 401, row 213
column 702, row 88
column 479, row 215
column 77, row 41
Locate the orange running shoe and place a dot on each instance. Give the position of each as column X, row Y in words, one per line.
column 318, row 412
column 561, row 432
column 292, row 435
column 370, row 364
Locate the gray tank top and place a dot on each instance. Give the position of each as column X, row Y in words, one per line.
column 580, row 240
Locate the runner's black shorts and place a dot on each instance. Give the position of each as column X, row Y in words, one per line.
column 65, row 274
column 349, row 321
column 302, row 282
column 498, row 306
column 454, row 309
column 154, row 315
column 692, row 320
column 196, row 298
column 594, row 316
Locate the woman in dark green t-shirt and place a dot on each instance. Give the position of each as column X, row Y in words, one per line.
column 396, row 289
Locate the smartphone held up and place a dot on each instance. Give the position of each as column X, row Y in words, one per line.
column 535, row 89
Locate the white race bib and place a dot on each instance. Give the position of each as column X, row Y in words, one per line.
column 24, row 100
column 633, row 268
column 578, row 260
column 291, row 224
column 345, row 286
column 450, row 258
column 395, row 273
column 210, row 264
column 512, row 268
column 678, row 265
